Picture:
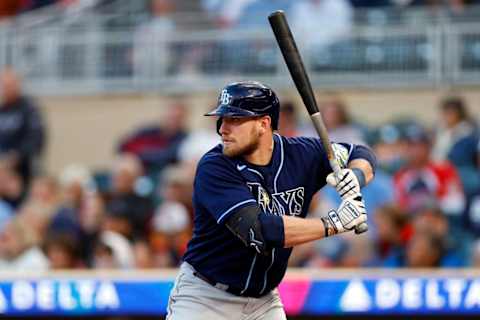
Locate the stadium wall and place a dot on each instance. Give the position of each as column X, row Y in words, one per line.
column 85, row 129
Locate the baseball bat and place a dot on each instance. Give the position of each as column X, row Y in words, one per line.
column 294, row 62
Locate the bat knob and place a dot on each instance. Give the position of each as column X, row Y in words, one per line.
column 361, row 228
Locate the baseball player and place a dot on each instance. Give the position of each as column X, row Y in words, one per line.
column 251, row 195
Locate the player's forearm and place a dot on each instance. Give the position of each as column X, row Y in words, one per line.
column 298, row 230
column 364, row 166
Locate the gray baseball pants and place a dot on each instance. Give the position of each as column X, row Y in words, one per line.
column 194, row 299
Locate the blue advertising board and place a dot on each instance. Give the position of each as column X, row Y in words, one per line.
column 363, row 294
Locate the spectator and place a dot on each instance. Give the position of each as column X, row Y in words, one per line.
column 77, row 190
column 425, row 250
column 62, row 251
column 91, row 221
column 225, row 14
column 457, row 249
column 333, row 17
column 113, row 251
column 76, row 182
column 198, row 142
column 152, row 56
column 338, row 121
column 11, row 189
column 287, row 125
column 171, row 224
column 253, row 14
column 157, row 145
column 128, row 211
column 456, row 140
column 22, row 133
column 19, row 250
column 41, row 204
column 393, row 232
column 390, row 146
column 143, row 254
column 423, row 182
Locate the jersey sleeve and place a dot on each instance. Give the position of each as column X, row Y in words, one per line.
column 220, row 189
column 344, row 152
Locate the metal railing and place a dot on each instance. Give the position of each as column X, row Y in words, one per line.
column 87, row 58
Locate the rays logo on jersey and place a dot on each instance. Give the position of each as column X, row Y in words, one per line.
column 289, row 202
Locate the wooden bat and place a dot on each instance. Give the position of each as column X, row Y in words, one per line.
column 294, row 62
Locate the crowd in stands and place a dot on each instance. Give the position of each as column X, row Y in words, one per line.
column 424, row 204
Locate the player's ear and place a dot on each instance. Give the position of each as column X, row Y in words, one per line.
column 265, row 123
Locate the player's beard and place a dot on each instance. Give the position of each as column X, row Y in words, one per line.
column 249, row 148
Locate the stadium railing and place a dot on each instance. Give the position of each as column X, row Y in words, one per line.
column 84, row 56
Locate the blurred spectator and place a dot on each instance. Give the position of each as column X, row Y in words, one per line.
column 456, row 248
column 225, row 13
column 422, row 182
column 393, row 232
column 253, row 15
column 11, row 187
column 91, row 217
column 77, row 190
column 22, row 133
column 41, row 204
column 76, row 182
column 113, row 251
column 456, row 140
column 152, row 56
column 198, row 141
column 62, row 251
column 321, row 22
column 390, row 146
column 19, row 250
column 157, row 145
column 425, row 250
column 172, row 221
column 128, row 211
column 143, row 254
column 338, row 121
column 287, row 125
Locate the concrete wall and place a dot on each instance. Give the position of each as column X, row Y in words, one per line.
column 86, row 129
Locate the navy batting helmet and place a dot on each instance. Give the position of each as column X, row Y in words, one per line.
column 247, row 99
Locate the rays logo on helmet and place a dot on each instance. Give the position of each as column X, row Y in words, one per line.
column 225, row 97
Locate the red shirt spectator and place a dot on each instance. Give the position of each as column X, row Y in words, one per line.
column 423, row 182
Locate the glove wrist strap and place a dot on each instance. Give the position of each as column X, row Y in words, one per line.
column 362, row 181
column 329, row 226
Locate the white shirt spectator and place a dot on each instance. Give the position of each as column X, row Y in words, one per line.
column 32, row 259
column 322, row 22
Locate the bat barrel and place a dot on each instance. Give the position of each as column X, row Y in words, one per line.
column 292, row 57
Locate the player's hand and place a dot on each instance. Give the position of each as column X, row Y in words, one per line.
column 346, row 182
column 349, row 214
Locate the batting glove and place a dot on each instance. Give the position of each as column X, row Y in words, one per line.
column 349, row 214
column 347, row 182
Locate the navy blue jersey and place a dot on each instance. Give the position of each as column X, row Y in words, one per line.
column 297, row 170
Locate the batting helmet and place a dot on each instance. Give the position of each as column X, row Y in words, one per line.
column 247, row 99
